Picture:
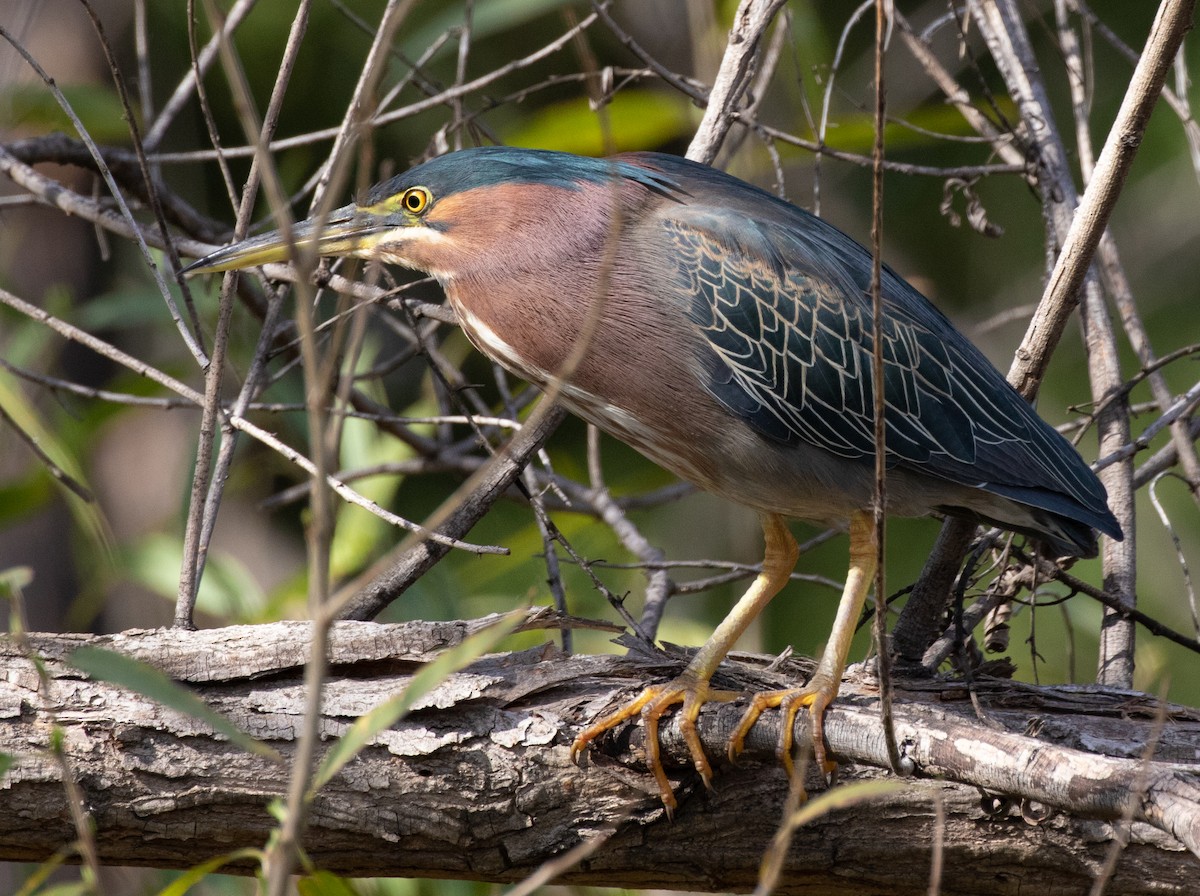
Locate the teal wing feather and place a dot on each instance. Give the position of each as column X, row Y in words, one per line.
column 787, row 327
column 793, row 357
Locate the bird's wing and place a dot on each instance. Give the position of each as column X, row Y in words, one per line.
column 786, row 324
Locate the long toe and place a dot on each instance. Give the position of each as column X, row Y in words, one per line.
column 651, row 705
column 815, row 696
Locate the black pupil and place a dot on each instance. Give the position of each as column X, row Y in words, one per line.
column 414, row 202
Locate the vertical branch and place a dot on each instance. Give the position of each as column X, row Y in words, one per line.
column 206, row 492
column 1079, row 236
column 361, row 107
column 883, row 654
column 750, row 22
column 1091, row 216
column 1001, row 26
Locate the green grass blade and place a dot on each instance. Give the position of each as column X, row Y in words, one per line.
column 194, row 875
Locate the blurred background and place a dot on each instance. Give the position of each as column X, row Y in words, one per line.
column 113, row 562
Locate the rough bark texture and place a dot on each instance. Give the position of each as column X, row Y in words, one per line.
column 477, row 782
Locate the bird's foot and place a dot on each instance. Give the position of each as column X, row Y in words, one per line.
column 689, row 690
column 816, row 696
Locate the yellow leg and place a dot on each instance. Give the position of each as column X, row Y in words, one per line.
column 691, row 688
column 822, row 688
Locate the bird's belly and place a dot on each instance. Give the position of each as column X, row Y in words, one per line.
column 646, row 440
column 730, row 460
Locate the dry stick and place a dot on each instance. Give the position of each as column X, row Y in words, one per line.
column 183, row 90
column 750, row 23
column 255, row 377
column 766, row 68
column 548, row 532
column 142, row 53
column 130, row 227
column 196, row 399
column 1068, row 44
column 1051, row 571
column 1079, row 234
column 883, row 658
column 207, row 490
column 282, row 854
column 1163, row 459
column 458, row 120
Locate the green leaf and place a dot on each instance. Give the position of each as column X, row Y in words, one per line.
column 844, row 797
column 428, row 677
column 144, row 679
column 32, row 107
column 197, row 873
column 637, row 119
column 324, row 883
column 75, row 888
column 228, row 589
column 14, row 579
column 30, row 418
column 43, row 872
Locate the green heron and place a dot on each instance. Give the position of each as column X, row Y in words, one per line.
column 727, row 335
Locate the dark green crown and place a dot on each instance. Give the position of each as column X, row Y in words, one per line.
column 489, row 166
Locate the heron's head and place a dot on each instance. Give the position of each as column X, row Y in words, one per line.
column 473, row 207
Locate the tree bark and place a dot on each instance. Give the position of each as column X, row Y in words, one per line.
column 477, row 781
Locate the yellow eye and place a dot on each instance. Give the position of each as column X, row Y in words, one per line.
column 415, row 200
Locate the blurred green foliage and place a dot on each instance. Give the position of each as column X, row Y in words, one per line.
column 975, row 279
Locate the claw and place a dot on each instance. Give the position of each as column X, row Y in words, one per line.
column 692, row 687
column 651, row 704
column 816, row 696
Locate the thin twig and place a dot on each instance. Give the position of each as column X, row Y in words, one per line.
column 750, row 23
column 882, row 649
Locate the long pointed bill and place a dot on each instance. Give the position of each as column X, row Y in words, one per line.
column 346, row 231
